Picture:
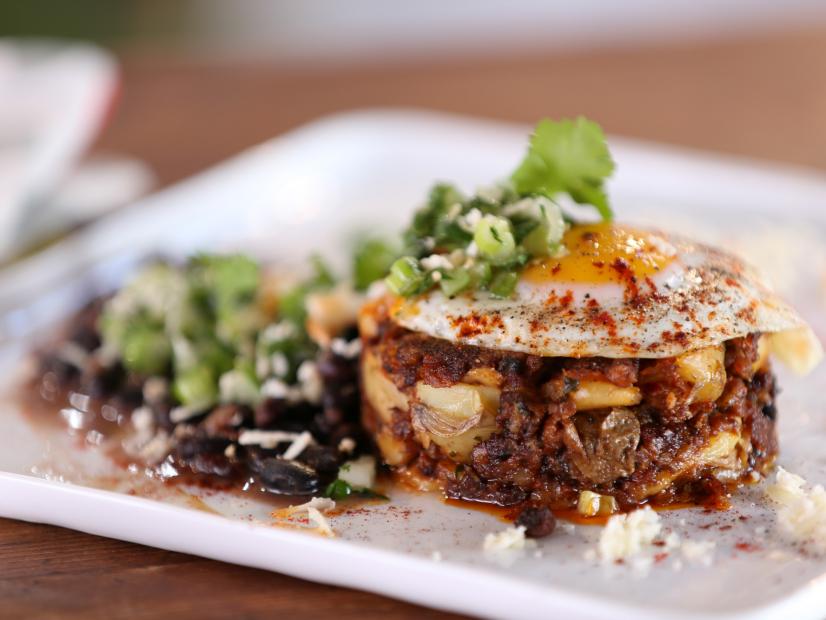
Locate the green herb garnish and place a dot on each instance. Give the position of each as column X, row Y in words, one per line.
column 202, row 326
column 487, row 239
column 567, row 157
column 341, row 489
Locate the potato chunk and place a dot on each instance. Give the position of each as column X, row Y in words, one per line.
column 721, row 450
column 394, row 451
column 379, row 391
column 603, row 395
column 705, row 369
column 592, row 504
column 456, row 418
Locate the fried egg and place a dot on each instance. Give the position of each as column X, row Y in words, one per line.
column 619, row 291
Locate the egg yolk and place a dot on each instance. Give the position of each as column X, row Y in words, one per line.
column 603, row 253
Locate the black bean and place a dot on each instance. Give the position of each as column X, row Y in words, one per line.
column 323, row 459
column 286, row 477
column 538, row 522
column 211, row 464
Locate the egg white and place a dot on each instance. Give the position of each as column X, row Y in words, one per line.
column 702, row 297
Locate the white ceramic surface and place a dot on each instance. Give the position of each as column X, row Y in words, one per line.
column 317, row 188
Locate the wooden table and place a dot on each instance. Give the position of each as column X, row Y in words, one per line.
column 763, row 97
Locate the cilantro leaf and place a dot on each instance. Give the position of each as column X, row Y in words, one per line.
column 567, row 157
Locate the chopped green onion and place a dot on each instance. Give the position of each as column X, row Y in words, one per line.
column 406, row 277
column 454, row 281
column 503, row 284
column 544, row 240
column 146, row 349
column 196, row 387
column 494, row 238
column 480, row 273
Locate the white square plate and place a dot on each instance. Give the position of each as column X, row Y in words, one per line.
column 316, row 188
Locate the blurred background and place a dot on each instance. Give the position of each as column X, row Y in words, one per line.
column 129, row 96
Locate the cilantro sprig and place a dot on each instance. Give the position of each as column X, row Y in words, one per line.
column 567, row 157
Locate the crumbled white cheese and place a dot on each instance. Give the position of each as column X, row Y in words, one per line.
column 359, row 473
column 323, row 504
column 470, row 220
column 699, row 552
column 472, row 250
column 510, row 539
column 183, row 413
column 626, row 535
column 436, row 276
column 298, row 446
column 234, row 386
column 262, row 366
column 801, row 512
column 265, row 439
column 436, row 261
column 347, row 445
column 322, row 526
column 313, row 509
column 278, row 332
column 276, row 388
column 230, row 451
column 310, row 382
column 343, row 348
column 279, row 364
